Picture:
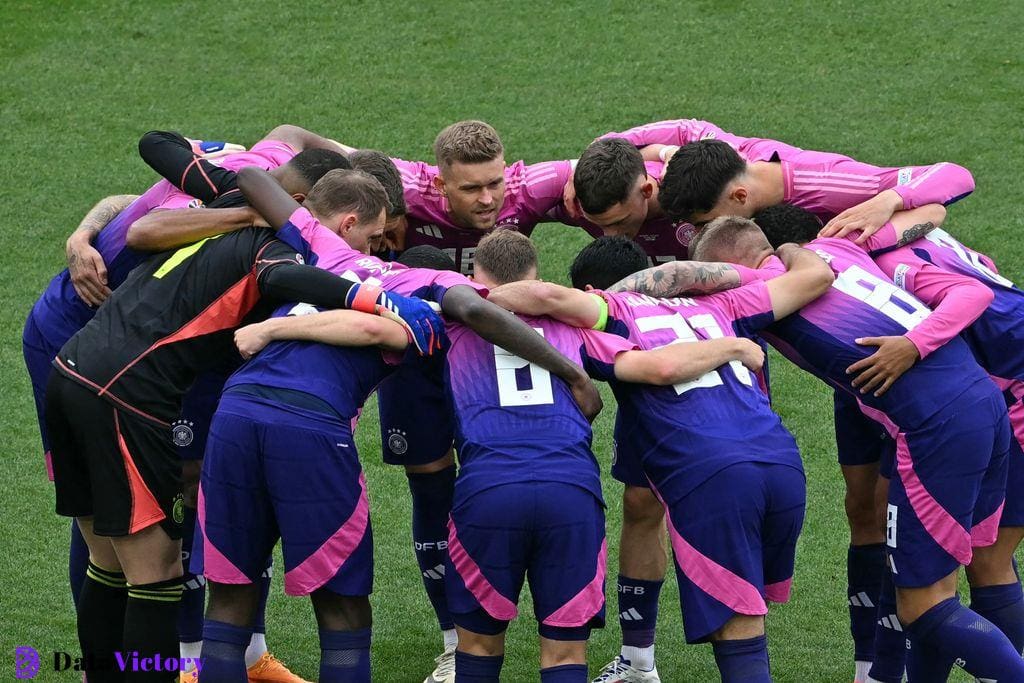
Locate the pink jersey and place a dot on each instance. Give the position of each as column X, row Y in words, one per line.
column 530, row 192
column 824, row 183
column 267, row 154
column 662, row 239
column 328, row 251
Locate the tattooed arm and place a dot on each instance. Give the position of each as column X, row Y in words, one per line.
column 905, row 227
column 681, row 277
column 88, row 272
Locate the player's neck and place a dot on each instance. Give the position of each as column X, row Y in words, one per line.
column 653, row 207
column 766, row 184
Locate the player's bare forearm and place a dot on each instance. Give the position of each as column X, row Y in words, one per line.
column 680, row 277
column 685, row 362
column 300, row 139
column 533, row 297
column 266, row 195
column 161, row 230
column 912, row 225
column 339, row 328
column 101, row 214
column 503, row 329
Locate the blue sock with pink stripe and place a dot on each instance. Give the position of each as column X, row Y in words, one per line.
column 950, row 633
column 345, row 656
column 1004, row 607
column 743, row 661
column 566, row 673
column 476, row 669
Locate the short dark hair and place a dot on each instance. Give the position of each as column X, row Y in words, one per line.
column 505, row 255
column 605, row 261
column 344, row 190
column 379, row 165
column 787, row 223
column 696, row 176
column 427, row 256
column 606, row 173
column 313, row 164
column 731, row 239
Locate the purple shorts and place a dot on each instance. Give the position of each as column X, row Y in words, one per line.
column 548, row 532
column 947, row 491
column 734, row 542
column 417, row 425
column 277, row 471
column 859, row 439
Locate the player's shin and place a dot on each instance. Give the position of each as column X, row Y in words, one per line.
column 193, row 597
column 224, row 652
column 345, row 656
column 743, row 660
column 865, row 569
column 150, row 623
column 890, row 646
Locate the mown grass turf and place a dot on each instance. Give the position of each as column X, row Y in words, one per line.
column 896, row 83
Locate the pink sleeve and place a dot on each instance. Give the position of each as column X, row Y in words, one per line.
column 277, row 152
column 678, row 132
column 956, row 300
column 543, row 185
column 885, row 238
column 604, row 347
column 749, row 301
column 942, row 183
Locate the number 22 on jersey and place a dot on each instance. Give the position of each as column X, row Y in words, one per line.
column 511, row 369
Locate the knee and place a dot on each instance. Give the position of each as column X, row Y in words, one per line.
column 640, row 508
column 444, row 462
column 341, row 612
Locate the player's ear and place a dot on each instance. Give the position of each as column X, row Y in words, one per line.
column 348, row 221
column 647, row 188
column 588, row 288
column 739, row 195
column 439, row 184
column 299, row 197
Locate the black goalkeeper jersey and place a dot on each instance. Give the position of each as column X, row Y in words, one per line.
column 173, row 318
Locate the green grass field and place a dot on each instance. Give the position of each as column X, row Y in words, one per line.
column 889, row 83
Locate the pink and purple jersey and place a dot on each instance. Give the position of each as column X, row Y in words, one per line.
column 997, row 336
column 824, row 183
column 530, row 192
column 685, row 433
column 516, row 422
column 863, row 302
column 266, row 154
column 663, row 240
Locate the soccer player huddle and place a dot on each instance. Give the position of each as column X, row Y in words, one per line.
column 200, row 368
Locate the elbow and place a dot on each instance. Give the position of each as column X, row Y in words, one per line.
column 135, row 238
column 823, row 279
column 288, row 134
column 984, row 297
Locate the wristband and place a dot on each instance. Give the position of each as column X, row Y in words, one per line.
column 602, row 317
column 365, row 298
column 665, row 151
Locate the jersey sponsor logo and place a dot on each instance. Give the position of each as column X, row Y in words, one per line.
column 181, row 432
column 397, row 443
column 430, row 230
column 709, row 135
column 904, row 175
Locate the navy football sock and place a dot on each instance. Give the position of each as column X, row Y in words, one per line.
column 865, row 567
column 890, row 650
column 566, row 673
column 223, row 659
column 345, row 656
column 477, row 669
column 743, row 661
column 1004, row 607
column 193, row 598
column 78, row 560
column 431, row 506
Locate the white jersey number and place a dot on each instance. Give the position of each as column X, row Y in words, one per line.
column 684, row 331
column 540, row 392
column 882, row 295
column 972, row 259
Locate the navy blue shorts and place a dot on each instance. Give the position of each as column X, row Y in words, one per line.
column 417, row 424
column 859, row 439
column 734, row 542
column 39, row 355
column 947, row 492
column 276, row 471
column 547, row 532
column 189, row 432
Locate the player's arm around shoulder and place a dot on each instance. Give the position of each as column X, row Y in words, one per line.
column 338, row 327
column 534, row 297
column 677, row 278
column 85, row 264
column 160, row 230
column 677, row 363
column 806, row 278
column 300, row 139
